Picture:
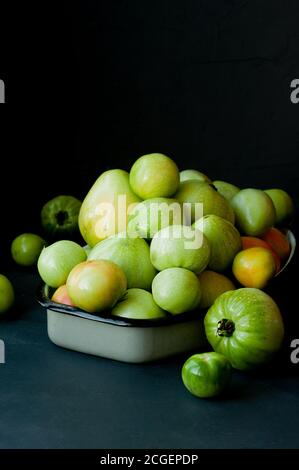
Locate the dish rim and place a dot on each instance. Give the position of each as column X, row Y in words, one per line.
column 42, row 296
column 43, row 299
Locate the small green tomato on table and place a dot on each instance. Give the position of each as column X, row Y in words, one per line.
column 26, row 248
column 206, row 375
column 7, row 295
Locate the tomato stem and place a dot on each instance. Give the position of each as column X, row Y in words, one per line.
column 61, row 217
column 225, row 327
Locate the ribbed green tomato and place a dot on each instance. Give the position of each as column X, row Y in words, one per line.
column 245, row 325
column 59, row 216
column 206, row 375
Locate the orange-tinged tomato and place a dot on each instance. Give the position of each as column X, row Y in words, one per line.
column 251, row 242
column 96, row 286
column 278, row 242
column 254, row 267
column 61, row 296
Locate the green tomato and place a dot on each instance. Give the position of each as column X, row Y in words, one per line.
column 26, row 248
column 227, row 190
column 203, row 199
column 176, row 290
column 245, row 325
column 132, row 255
column 106, row 207
column 154, row 175
column 284, row 206
column 151, row 215
column 254, row 210
column 223, row 238
column 186, row 175
column 206, row 375
column 57, row 260
column 180, row 246
column 7, row 295
column 138, row 304
column 96, row 286
column 59, row 216
column 212, row 285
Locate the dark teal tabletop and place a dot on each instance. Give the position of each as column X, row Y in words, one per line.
column 55, row 398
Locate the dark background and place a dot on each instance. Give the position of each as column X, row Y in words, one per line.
column 94, row 84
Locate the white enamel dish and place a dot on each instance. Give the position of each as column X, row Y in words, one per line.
column 121, row 339
column 127, row 340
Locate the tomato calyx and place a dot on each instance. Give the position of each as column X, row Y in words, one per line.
column 225, row 327
column 61, row 217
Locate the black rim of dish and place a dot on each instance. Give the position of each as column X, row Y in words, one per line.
column 43, row 297
column 45, row 301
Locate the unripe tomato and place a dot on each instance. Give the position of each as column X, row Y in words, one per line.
column 206, row 375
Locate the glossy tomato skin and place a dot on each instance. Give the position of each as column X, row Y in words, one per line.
column 59, row 216
column 96, row 286
column 26, row 248
column 7, row 295
column 61, row 296
column 206, row 375
column 246, row 326
column 57, row 260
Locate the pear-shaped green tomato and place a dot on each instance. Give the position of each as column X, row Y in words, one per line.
column 26, row 248
column 105, row 210
column 59, row 216
column 284, row 206
column 154, row 175
column 206, row 375
column 138, row 304
column 7, row 295
column 245, row 325
column 254, row 210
